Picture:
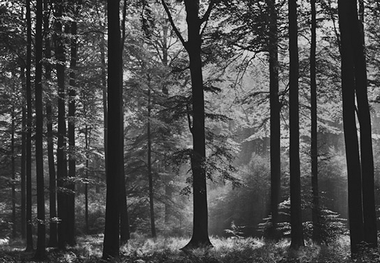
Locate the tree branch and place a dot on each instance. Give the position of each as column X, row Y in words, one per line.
column 176, row 31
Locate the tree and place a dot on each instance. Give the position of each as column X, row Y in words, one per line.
column 114, row 149
column 61, row 144
column 314, row 127
column 40, row 252
column 193, row 46
column 275, row 108
column 53, row 241
column 29, row 229
column 295, row 174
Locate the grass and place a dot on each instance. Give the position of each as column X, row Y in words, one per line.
column 167, row 250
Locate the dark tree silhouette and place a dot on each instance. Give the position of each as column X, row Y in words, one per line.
column 61, row 144
column 115, row 159
column 275, row 108
column 295, row 174
column 355, row 209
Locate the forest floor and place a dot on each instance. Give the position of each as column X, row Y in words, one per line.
column 167, row 250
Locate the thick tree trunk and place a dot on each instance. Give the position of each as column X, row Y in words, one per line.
column 29, row 226
column 364, row 116
column 115, row 160
column 314, row 129
column 40, row 252
column 355, row 209
column 61, row 144
column 53, row 241
column 200, row 212
column 295, row 174
column 275, row 150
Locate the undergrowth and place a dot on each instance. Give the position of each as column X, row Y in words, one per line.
column 167, row 250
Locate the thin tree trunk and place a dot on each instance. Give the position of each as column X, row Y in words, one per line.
column 14, row 232
column 71, row 130
column 115, row 160
column 87, row 145
column 53, row 241
column 29, row 226
column 105, row 106
column 150, row 177
column 23, row 155
column 295, row 174
column 355, row 209
column 314, row 129
column 61, row 144
column 275, row 107
column 40, row 252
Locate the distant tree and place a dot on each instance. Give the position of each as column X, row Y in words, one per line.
column 295, row 173
column 114, row 152
column 40, row 252
column 314, row 126
column 61, row 144
column 29, row 229
column 53, row 241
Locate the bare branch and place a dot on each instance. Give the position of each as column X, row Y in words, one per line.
column 176, row 31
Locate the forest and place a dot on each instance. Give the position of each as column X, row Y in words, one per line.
column 189, row 131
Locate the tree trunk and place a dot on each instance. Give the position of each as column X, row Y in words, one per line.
column 14, row 232
column 40, row 252
column 71, row 129
column 275, row 107
column 150, row 177
column 314, row 129
column 87, row 146
column 53, row 241
column 29, row 226
column 23, row 156
column 115, row 160
column 61, row 144
column 364, row 116
column 105, row 106
column 200, row 212
column 295, row 174
column 355, row 210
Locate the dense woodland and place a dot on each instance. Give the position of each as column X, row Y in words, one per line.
column 196, row 120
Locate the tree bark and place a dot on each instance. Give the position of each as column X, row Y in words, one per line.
column 295, row 174
column 29, row 226
column 14, row 230
column 314, row 128
column 23, row 156
column 115, row 160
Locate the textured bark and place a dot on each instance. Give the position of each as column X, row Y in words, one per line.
column 23, row 156
column 29, row 228
column 14, row 231
column 314, row 129
column 295, row 174
column 355, row 211
column 275, row 150
column 115, row 160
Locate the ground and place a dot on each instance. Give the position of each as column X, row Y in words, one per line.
column 167, row 250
